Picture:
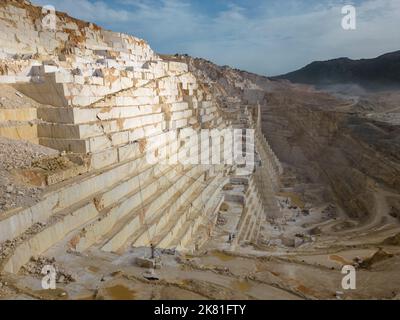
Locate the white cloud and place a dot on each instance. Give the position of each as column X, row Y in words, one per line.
column 87, row 10
column 274, row 38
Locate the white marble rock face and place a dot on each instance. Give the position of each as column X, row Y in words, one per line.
column 113, row 83
column 106, row 96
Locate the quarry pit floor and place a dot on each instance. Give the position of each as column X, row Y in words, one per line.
column 311, row 269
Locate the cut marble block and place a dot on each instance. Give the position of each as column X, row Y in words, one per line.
column 108, row 99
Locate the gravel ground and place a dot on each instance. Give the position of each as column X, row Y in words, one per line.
column 17, row 154
column 14, row 155
column 13, row 99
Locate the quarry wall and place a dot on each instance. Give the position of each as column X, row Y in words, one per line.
column 109, row 99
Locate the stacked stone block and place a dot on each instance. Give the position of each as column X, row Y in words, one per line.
column 107, row 95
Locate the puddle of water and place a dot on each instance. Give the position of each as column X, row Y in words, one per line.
column 120, row 292
column 52, row 294
column 222, row 256
column 241, row 285
column 339, row 259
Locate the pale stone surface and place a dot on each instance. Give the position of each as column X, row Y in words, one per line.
column 109, row 98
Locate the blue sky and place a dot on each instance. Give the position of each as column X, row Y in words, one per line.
column 264, row 36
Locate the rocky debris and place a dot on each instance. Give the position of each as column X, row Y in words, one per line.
column 171, row 252
column 13, row 196
column 330, row 211
column 151, row 275
column 378, row 256
column 194, row 264
column 35, row 266
column 16, row 156
column 357, row 261
column 53, row 164
column 395, row 212
column 315, row 231
column 5, row 290
column 7, row 247
column 221, row 221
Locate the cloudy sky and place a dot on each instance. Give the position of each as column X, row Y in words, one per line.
column 264, row 36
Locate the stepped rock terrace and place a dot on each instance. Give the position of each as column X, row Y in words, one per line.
column 107, row 103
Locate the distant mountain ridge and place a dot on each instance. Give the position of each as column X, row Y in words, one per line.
column 376, row 73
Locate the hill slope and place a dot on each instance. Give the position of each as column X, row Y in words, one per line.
column 377, row 73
